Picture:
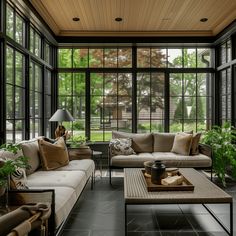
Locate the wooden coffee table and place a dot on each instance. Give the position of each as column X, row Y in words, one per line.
column 205, row 192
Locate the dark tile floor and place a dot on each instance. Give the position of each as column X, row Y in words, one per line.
column 100, row 212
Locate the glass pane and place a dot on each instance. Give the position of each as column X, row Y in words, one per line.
column 19, row 69
column 47, row 82
column 48, row 106
column 176, row 84
column 9, row 66
column 203, row 57
column 157, row 85
column 37, row 44
column 228, row 50
column 79, row 110
column 176, row 126
column 64, row 58
column 158, row 58
column 19, row 33
column 10, row 22
column 65, row 84
column 19, row 105
column 125, row 84
column 47, row 52
column 19, row 131
column 9, row 131
column 38, row 78
column 189, row 125
column 157, row 108
column 95, row 58
column 203, row 84
column 125, row 57
column 189, row 84
column 9, row 101
column 96, row 84
column 65, row 102
column 223, row 54
column 175, row 59
column 110, row 84
column 79, row 84
column 190, row 108
column 80, row 58
column 189, row 58
column 157, row 126
column 31, row 40
column 143, row 57
column 110, row 57
column 144, row 126
column 177, row 106
column 202, row 108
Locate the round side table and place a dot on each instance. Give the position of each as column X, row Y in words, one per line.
column 97, row 157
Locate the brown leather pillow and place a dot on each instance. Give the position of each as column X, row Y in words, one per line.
column 195, row 141
column 53, row 155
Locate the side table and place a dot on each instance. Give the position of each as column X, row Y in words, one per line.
column 97, row 157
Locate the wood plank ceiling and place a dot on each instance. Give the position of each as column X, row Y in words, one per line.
column 140, row 17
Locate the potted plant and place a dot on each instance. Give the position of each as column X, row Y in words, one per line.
column 9, row 166
column 78, row 141
column 222, row 140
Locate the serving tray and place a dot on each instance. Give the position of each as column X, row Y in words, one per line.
column 185, row 186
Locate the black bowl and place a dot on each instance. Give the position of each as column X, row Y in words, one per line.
column 148, row 166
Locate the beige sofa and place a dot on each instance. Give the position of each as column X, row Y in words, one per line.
column 157, row 146
column 67, row 182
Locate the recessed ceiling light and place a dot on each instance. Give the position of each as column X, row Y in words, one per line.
column 118, row 19
column 204, row 20
column 76, row 19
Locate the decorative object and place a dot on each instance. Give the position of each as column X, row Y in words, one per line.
column 222, row 140
column 59, row 116
column 157, row 172
column 148, row 167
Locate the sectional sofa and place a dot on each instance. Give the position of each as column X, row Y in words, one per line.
column 67, row 182
column 157, row 146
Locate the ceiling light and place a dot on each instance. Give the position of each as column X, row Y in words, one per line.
column 76, row 19
column 118, row 19
column 204, row 19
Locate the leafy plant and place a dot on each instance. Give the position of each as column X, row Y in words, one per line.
column 78, row 141
column 222, row 140
column 9, row 166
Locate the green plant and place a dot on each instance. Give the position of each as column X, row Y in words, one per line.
column 222, row 140
column 78, row 141
column 9, row 166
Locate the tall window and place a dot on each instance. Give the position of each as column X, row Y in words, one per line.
column 47, row 101
column 15, row 26
column 15, row 95
column 36, row 95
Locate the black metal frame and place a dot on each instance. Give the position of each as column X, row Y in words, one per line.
column 228, row 231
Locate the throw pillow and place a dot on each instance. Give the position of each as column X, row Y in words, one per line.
column 53, row 155
column 121, row 146
column 195, row 142
column 18, row 179
column 182, row 143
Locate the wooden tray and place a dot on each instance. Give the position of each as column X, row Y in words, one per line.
column 186, row 185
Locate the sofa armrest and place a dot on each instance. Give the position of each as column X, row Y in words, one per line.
column 205, row 149
column 20, row 197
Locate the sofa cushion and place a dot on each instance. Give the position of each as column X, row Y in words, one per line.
column 54, row 178
column 195, row 141
column 163, row 142
column 171, row 159
column 182, row 143
column 140, row 142
column 53, row 155
column 121, row 146
column 135, row 160
column 30, row 149
column 86, row 165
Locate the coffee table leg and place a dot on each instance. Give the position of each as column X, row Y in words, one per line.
column 125, row 219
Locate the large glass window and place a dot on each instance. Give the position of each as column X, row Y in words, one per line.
column 15, row 95
column 36, row 95
column 35, row 42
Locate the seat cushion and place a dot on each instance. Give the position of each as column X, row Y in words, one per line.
column 65, row 198
column 85, row 165
column 73, row 179
column 140, row 142
column 171, row 159
column 135, row 160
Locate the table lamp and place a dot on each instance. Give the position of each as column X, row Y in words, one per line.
column 59, row 116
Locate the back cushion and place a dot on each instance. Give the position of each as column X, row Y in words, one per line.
column 140, row 142
column 163, row 142
column 31, row 150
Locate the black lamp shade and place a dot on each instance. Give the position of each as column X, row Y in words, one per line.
column 61, row 115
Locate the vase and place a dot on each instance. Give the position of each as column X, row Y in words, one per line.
column 157, row 172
